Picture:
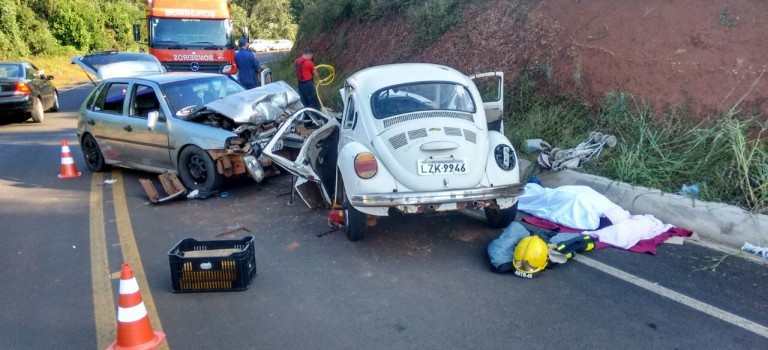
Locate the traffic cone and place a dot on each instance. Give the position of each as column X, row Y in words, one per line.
column 68, row 168
column 134, row 332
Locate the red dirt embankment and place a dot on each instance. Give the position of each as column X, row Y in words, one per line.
column 707, row 55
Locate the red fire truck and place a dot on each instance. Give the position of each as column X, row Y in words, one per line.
column 191, row 35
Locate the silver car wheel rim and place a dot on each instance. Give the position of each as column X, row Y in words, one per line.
column 197, row 169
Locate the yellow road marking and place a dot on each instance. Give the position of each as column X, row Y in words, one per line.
column 131, row 251
column 103, row 304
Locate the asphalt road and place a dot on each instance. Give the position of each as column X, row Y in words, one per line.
column 416, row 282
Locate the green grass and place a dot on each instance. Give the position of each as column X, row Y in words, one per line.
column 728, row 158
column 60, row 67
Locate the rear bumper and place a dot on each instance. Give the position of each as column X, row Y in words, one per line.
column 15, row 105
column 436, row 197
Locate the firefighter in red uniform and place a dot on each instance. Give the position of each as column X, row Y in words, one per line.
column 307, row 74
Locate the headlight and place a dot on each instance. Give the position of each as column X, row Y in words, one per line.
column 226, row 69
column 366, row 165
column 505, row 157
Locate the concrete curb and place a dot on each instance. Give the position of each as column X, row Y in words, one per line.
column 717, row 222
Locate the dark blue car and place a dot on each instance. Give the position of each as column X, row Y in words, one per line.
column 25, row 92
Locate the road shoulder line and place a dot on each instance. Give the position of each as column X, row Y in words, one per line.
column 677, row 297
column 103, row 303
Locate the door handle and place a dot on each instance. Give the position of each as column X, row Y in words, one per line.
column 128, row 128
column 91, row 122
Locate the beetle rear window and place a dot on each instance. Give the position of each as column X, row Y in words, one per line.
column 419, row 97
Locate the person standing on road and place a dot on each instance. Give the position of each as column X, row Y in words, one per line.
column 247, row 66
column 307, row 75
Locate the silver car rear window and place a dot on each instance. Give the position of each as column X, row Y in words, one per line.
column 10, row 70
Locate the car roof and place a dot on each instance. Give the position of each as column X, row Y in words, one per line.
column 172, row 77
column 111, row 64
column 369, row 80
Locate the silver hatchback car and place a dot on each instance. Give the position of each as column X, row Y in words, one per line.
column 203, row 127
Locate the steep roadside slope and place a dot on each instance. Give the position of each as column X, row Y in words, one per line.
column 706, row 55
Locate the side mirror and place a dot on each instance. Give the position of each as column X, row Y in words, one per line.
column 50, row 77
column 152, row 118
column 136, row 32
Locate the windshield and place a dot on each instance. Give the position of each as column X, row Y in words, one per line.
column 188, row 33
column 197, row 92
column 419, row 97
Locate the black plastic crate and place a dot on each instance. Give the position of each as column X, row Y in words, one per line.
column 212, row 266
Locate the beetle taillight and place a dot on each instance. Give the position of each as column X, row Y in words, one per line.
column 22, row 89
column 366, row 165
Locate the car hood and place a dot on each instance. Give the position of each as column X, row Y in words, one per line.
column 260, row 105
column 119, row 64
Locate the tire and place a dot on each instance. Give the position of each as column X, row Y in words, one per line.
column 55, row 107
column 500, row 218
column 94, row 159
column 355, row 223
column 198, row 171
column 37, row 114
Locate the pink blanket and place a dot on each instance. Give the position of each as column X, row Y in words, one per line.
column 644, row 246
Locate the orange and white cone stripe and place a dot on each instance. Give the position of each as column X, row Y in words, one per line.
column 134, row 331
column 68, row 168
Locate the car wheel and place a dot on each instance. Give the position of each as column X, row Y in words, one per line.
column 198, row 171
column 355, row 222
column 92, row 154
column 38, row 116
column 55, row 107
column 500, row 218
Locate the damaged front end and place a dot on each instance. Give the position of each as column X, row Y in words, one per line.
column 254, row 117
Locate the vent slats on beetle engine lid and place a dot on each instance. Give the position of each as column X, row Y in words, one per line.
column 398, row 140
column 427, row 115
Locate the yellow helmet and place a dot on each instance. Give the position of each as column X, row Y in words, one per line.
column 530, row 255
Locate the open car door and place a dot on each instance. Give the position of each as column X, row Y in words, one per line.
column 315, row 163
column 491, row 87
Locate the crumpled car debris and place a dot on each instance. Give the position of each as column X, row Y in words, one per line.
column 259, row 106
column 572, row 158
column 170, row 183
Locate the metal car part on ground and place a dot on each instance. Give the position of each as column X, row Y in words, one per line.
column 407, row 142
column 572, row 158
column 171, row 185
column 204, row 127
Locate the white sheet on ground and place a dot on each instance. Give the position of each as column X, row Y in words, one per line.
column 578, row 207
column 626, row 233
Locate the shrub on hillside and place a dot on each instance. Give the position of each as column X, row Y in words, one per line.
column 118, row 24
column 434, row 17
column 79, row 23
column 11, row 43
column 39, row 38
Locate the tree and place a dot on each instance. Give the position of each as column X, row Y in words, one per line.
column 272, row 19
column 11, row 43
column 78, row 23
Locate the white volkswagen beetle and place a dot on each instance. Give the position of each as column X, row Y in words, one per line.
column 413, row 138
